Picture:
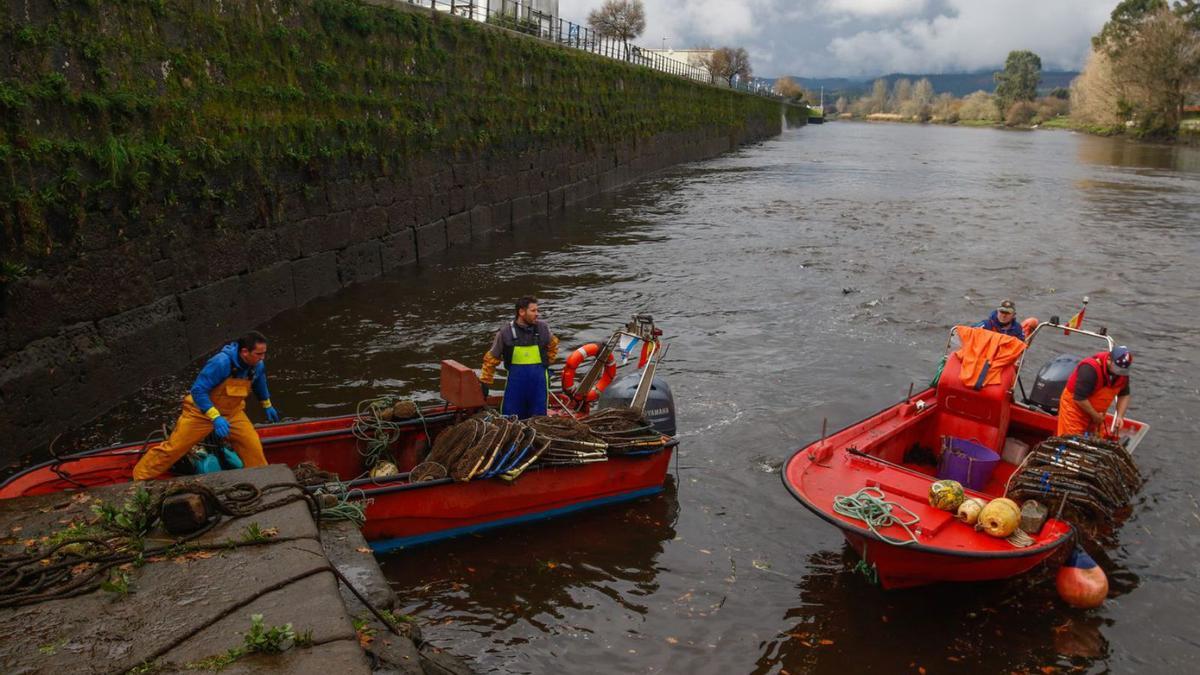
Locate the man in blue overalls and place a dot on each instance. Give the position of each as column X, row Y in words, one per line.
column 526, row 347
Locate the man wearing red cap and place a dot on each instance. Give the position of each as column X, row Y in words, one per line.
column 1097, row 380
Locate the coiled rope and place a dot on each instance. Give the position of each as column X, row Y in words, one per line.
column 870, row 505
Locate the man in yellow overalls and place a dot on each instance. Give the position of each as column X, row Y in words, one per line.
column 526, row 347
column 217, row 404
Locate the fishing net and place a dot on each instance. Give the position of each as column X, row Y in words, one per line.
column 1090, row 480
column 493, row 446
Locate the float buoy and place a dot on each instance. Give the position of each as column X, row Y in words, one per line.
column 946, row 495
column 1080, row 582
column 999, row 518
column 576, row 358
column 1028, row 325
column 968, row 511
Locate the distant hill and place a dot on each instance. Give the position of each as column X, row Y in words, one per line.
column 959, row 84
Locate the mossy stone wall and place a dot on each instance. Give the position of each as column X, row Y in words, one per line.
column 175, row 171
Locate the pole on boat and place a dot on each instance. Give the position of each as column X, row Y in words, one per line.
column 824, row 422
column 910, row 388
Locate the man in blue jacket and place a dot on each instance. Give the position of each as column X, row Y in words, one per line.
column 217, row 404
column 1004, row 320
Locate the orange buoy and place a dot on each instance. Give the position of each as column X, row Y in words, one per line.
column 1028, row 325
column 1080, row 582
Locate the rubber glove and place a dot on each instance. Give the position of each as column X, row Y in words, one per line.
column 220, row 426
column 272, row 414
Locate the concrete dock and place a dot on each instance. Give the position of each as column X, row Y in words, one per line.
column 187, row 611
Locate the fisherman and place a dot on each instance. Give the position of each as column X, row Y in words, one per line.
column 1097, row 380
column 1004, row 320
column 526, row 347
column 217, row 404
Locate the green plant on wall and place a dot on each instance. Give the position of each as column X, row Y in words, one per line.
column 108, row 108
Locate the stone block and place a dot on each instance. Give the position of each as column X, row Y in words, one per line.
column 400, row 216
column 431, row 238
column 398, row 250
column 343, row 195
column 502, row 216
column 326, row 233
column 213, row 314
column 439, row 206
column 359, row 262
column 269, row 291
column 314, row 276
column 522, row 209
column 556, row 200
column 370, row 223
column 147, row 341
column 481, row 221
column 386, row 190
column 458, row 229
column 457, row 199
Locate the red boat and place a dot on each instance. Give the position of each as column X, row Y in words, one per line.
column 399, row 513
column 876, row 453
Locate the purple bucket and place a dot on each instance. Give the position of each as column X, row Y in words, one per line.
column 966, row 462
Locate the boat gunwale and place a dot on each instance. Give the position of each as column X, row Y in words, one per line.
column 915, row 546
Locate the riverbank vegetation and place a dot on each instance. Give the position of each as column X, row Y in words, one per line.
column 1142, row 79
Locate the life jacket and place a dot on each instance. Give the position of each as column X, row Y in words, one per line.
column 1071, row 418
column 1105, row 380
column 530, row 353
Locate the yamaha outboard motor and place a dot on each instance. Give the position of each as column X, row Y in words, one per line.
column 1051, row 379
column 660, row 404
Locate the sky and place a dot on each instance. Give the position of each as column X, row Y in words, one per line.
column 864, row 38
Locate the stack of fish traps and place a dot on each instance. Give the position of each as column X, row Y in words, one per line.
column 489, row 445
column 1090, row 480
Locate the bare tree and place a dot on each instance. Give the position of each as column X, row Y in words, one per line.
column 901, row 93
column 621, row 20
column 728, row 63
column 1096, row 96
column 877, row 101
column 787, row 88
column 841, row 106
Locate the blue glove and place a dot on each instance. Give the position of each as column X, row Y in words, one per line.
column 272, row 414
column 221, row 427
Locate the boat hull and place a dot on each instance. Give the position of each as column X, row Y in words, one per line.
column 399, row 514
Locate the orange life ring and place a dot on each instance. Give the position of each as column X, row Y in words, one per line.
column 577, row 357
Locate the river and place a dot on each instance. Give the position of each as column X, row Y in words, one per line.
column 810, row 277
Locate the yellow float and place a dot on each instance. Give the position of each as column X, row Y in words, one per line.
column 946, row 495
column 999, row 518
column 968, row 511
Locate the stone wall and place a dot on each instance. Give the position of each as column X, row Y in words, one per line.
column 157, row 273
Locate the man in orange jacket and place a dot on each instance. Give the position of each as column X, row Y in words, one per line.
column 1097, row 380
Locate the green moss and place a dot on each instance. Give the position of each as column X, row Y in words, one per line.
column 164, row 97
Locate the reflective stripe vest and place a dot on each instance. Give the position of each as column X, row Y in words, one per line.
column 525, row 355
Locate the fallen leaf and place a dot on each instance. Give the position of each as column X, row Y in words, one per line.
column 16, row 528
column 706, row 551
column 471, row 570
column 672, row 641
column 1049, row 669
column 921, row 670
column 363, row 549
column 826, row 642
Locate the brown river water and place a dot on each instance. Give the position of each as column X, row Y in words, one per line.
column 811, row 277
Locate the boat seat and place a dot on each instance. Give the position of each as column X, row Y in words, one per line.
column 979, row 415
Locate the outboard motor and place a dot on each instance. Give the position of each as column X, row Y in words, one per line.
column 660, row 404
column 1051, row 379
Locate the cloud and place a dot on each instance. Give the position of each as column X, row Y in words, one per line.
column 819, row 38
column 978, row 35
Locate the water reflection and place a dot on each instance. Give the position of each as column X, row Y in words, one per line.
column 492, row 592
column 1119, row 152
column 844, row 624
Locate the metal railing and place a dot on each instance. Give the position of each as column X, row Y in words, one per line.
column 523, row 18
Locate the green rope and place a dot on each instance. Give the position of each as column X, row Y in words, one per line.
column 345, row 509
column 871, row 506
column 938, row 375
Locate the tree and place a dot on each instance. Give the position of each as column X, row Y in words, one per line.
column 621, row 20
column 1157, row 70
column 1019, row 81
column 979, row 106
column 1096, row 97
column 901, row 93
column 841, row 105
column 877, row 101
column 1152, row 50
column 728, row 63
column 787, row 88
